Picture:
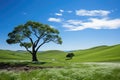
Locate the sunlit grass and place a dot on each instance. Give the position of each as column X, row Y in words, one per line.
column 99, row 63
column 76, row 71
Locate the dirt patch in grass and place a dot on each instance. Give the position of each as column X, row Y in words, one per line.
column 22, row 67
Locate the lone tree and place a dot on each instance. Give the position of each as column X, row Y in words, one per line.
column 32, row 35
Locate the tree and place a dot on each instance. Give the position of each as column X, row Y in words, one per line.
column 69, row 56
column 32, row 35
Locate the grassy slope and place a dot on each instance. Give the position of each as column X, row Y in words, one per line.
column 52, row 55
column 101, row 53
column 6, row 55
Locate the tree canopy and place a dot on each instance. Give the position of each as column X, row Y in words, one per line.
column 32, row 35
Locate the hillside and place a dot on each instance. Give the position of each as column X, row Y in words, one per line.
column 95, row 54
column 100, row 53
column 7, row 55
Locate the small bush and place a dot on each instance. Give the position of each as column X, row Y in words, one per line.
column 69, row 56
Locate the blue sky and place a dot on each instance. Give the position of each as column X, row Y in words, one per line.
column 82, row 23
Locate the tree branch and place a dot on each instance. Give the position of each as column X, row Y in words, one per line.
column 31, row 40
column 28, row 50
column 35, row 33
column 37, row 41
column 41, row 45
column 25, row 47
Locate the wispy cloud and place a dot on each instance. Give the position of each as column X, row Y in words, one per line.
column 83, row 12
column 58, row 14
column 69, row 11
column 93, row 23
column 54, row 20
column 61, row 10
column 74, row 22
column 96, row 19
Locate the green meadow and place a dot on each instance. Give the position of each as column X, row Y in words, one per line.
column 95, row 54
column 97, row 63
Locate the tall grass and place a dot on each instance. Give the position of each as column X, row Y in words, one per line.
column 76, row 71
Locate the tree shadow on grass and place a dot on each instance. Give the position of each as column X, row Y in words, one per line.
column 4, row 65
column 26, row 66
column 40, row 63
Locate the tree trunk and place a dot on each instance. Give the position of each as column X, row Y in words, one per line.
column 34, row 57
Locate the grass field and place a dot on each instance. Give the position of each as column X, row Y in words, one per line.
column 96, row 54
column 98, row 63
column 76, row 71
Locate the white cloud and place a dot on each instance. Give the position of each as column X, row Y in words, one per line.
column 100, row 21
column 84, row 12
column 61, row 10
column 58, row 14
column 54, row 20
column 93, row 23
column 69, row 11
column 74, row 22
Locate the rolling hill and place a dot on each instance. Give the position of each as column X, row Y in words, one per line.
column 95, row 54
column 8, row 55
column 100, row 53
